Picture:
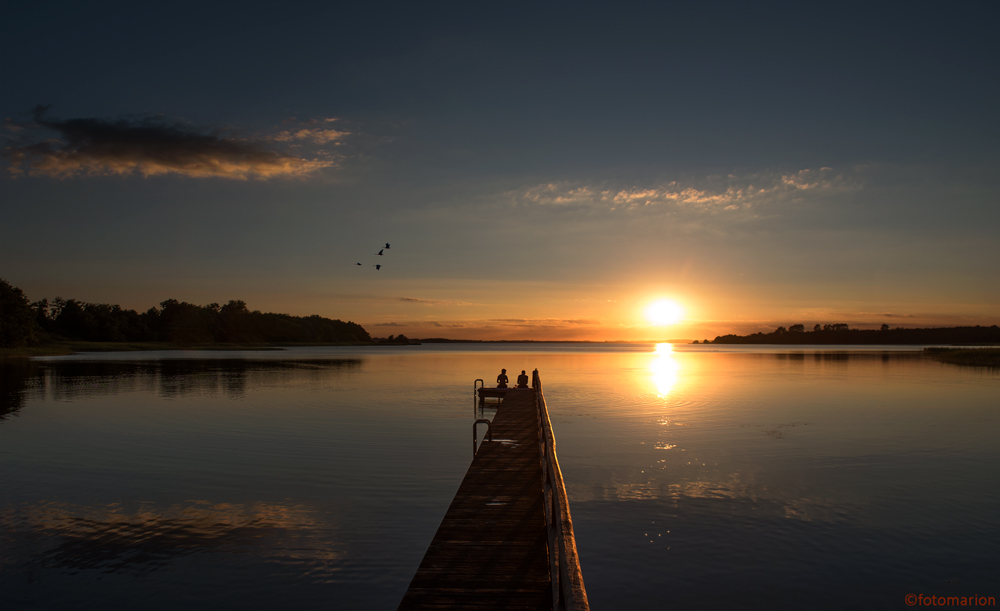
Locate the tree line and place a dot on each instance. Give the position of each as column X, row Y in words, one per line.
column 25, row 323
column 841, row 333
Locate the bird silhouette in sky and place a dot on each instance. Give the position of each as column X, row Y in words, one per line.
column 380, row 253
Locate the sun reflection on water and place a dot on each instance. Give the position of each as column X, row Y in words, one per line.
column 664, row 368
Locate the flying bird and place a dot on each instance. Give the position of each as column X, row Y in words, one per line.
column 387, row 245
column 380, row 252
column 357, row 264
column 378, row 267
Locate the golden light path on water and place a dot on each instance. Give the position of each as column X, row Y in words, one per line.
column 664, row 369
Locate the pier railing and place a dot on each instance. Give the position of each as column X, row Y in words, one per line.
column 568, row 591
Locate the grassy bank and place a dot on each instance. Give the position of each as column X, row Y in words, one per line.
column 64, row 348
column 981, row 357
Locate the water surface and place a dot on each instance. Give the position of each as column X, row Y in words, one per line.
column 315, row 477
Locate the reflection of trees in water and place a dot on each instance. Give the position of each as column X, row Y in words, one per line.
column 67, row 380
column 57, row 535
column 843, row 357
column 17, row 376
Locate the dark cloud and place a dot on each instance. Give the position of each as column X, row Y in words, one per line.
column 146, row 145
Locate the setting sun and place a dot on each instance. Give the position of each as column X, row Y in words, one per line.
column 664, row 313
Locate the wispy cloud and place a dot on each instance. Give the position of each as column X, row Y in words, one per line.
column 525, row 323
column 501, row 328
column 317, row 131
column 542, row 322
column 154, row 145
column 711, row 194
column 435, row 301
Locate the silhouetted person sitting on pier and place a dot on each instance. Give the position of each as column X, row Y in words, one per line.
column 502, row 379
column 522, row 380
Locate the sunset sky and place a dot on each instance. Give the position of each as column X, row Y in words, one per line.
column 542, row 171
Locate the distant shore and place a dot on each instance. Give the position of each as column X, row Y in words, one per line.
column 64, row 348
column 980, row 356
column 71, row 347
column 841, row 334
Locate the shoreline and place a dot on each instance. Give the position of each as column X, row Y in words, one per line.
column 958, row 354
column 70, row 347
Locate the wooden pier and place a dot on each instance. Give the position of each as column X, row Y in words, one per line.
column 507, row 540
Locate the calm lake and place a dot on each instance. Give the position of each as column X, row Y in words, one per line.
column 314, row 478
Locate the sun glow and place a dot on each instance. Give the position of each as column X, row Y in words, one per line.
column 664, row 313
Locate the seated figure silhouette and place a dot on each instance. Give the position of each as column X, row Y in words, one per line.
column 522, row 380
column 502, row 379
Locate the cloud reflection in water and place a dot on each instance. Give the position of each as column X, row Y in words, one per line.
column 113, row 540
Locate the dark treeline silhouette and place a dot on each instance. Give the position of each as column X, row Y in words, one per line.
column 96, row 322
column 397, row 339
column 841, row 334
column 177, row 322
column 17, row 321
